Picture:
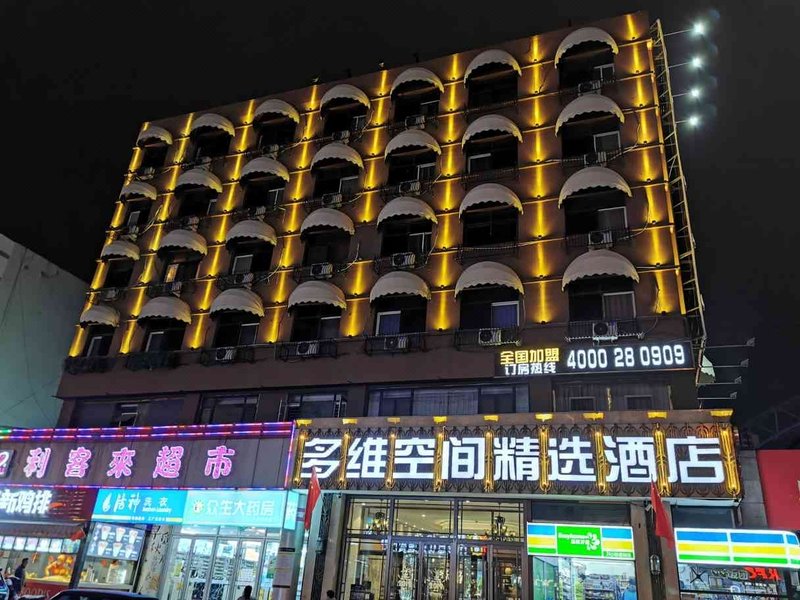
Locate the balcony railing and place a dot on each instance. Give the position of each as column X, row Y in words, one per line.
column 473, row 112
column 75, row 365
column 415, row 187
column 330, row 200
column 172, row 288
column 414, row 122
column 318, row 271
column 603, row 330
column 470, row 179
column 402, row 261
column 466, row 253
column 254, row 212
column 190, row 222
column 237, row 280
column 227, row 355
column 591, row 159
column 303, row 350
column 594, row 86
column 149, row 361
column 393, row 344
column 111, row 294
column 487, row 337
column 601, row 238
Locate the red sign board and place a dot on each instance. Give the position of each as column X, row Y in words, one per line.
column 780, row 482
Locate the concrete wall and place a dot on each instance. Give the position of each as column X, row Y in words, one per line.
column 38, row 304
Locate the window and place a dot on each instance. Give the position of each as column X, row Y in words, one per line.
column 601, row 299
column 487, row 226
column 153, row 156
column 429, row 108
column 583, row 396
column 479, row 162
column 181, row 270
column 604, row 72
column 235, row 329
column 119, row 273
column 163, row 336
column 196, row 203
column 349, row 186
column 406, row 235
column 242, row 263
column 125, row 415
column 426, row 172
column 328, row 245
column 400, row 314
column 489, row 307
column 359, row 122
column 491, row 84
column 448, row 400
column 275, row 132
column 612, row 218
column 505, row 314
column 317, row 322
column 210, row 144
column 619, row 306
column 388, row 323
column 606, row 142
column 228, row 409
column 329, row 327
column 138, row 212
column 264, row 193
column 247, row 334
column 579, row 403
column 309, row 406
column 597, row 209
column 98, row 340
column 639, row 402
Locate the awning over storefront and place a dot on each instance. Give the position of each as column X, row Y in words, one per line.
column 491, row 57
column 275, row 106
column 411, row 138
column 488, row 273
column 154, row 133
column 264, row 165
column 487, row 123
column 166, row 307
column 582, row 36
column 343, row 91
column 120, row 249
column 400, row 283
column 599, row 262
column 185, row 240
column 199, row 178
column 589, row 103
column 405, row 206
column 328, row 217
column 212, row 121
column 337, row 151
column 252, row 230
column 489, row 193
column 238, row 300
column 590, row 178
column 317, row 292
column 138, row 189
column 417, row 74
column 99, row 314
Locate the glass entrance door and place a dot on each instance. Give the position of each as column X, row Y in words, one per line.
column 488, row 572
column 222, row 573
column 199, row 566
column 473, row 572
column 506, row 573
column 404, row 575
column 435, row 572
column 247, row 567
column 419, row 571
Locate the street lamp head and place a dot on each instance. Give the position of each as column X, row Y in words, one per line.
column 695, row 93
column 696, row 62
column 699, row 28
column 693, row 121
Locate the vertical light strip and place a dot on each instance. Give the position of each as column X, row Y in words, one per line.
column 298, row 458
column 488, row 475
column 662, row 464
column 732, row 483
column 199, row 332
column 389, row 481
column 78, row 340
column 346, row 439
column 544, row 458
column 437, row 460
column 600, row 460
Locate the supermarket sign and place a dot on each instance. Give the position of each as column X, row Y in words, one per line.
column 581, row 541
column 754, row 548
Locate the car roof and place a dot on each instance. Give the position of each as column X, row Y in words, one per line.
column 96, row 593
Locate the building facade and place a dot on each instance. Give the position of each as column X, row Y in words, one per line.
column 427, row 267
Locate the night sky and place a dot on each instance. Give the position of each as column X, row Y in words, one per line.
column 78, row 79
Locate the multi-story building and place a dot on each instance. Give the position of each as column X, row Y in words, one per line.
column 434, row 271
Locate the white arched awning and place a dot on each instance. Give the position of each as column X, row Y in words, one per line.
column 328, row 217
column 120, row 249
column 417, row 74
column 491, row 57
column 411, row 138
column 317, row 292
column 599, row 262
column 196, row 178
column 252, row 230
column 405, row 206
column 276, row 106
column 238, row 300
column 400, row 283
column 583, row 35
column 589, row 103
column 337, row 151
column 489, row 193
column 100, row 314
column 153, row 133
column 488, row 273
column 183, row 239
column 212, row 121
column 491, row 123
column 263, row 165
column 343, row 91
column 166, row 307
column 138, row 189
column 590, row 178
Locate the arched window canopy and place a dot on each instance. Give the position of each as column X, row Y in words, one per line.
column 591, row 178
column 488, row 273
column 596, row 263
column 582, row 36
column 588, row 103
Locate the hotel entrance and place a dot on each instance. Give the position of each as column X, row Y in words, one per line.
column 424, row 549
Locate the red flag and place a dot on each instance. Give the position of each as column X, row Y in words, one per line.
column 663, row 528
column 314, row 492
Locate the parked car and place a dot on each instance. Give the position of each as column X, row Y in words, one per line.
column 90, row 594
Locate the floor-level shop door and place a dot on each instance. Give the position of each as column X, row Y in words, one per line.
column 488, row 572
column 223, row 570
column 419, row 571
column 197, row 569
column 247, row 565
column 506, row 573
column 404, row 571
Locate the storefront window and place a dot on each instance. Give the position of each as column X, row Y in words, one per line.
column 369, row 517
column 583, row 579
column 700, row 582
column 364, row 564
column 498, row 521
column 112, row 555
column 49, row 559
column 428, row 517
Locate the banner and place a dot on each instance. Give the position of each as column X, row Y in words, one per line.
column 581, row 541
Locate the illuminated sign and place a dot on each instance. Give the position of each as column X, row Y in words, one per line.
column 582, row 541
column 594, row 359
column 755, row 548
column 25, row 502
column 153, row 507
column 43, row 504
column 249, row 508
column 115, row 541
column 5, row 462
column 523, row 457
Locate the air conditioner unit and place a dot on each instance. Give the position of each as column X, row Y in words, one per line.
column 600, row 239
column 595, row 158
column 395, row 342
column 258, row 211
column 332, row 200
column 147, row 173
column 341, row 136
column 409, row 187
column 604, row 331
column 307, row 349
column 415, row 121
column 404, row 259
column 173, row 287
column 223, row 355
column 133, row 229
column 490, row 337
column 270, row 149
column 321, row 270
column 243, row 278
column 204, row 162
column 589, row 87
column 110, row 294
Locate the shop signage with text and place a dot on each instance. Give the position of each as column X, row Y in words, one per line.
column 582, row 541
column 754, row 548
column 42, row 504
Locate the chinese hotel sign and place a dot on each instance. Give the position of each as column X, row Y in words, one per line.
column 558, row 453
column 163, row 457
column 626, row 357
